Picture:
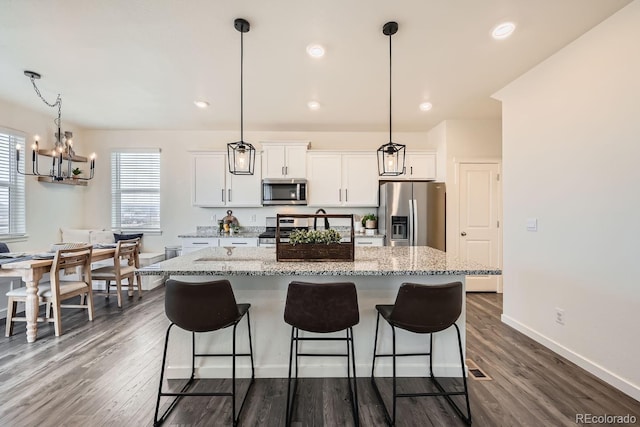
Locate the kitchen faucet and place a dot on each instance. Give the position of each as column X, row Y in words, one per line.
column 326, row 220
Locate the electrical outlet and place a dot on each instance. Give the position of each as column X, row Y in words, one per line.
column 253, row 218
column 214, row 218
column 560, row 316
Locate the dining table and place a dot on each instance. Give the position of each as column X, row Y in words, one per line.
column 31, row 271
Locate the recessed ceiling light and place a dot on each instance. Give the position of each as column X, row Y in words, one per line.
column 426, row 106
column 201, row 104
column 315, row 50
column 504, row 30
column 313, row 105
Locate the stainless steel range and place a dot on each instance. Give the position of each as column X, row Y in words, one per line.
column 287, row 225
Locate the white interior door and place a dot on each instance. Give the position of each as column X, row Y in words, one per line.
column 479, row 216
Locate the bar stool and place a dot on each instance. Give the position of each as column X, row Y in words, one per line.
column 422, row 309
column 203, row 307
column 322, row 308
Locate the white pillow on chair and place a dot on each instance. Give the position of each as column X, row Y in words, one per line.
column 75, row 235
column 101, row 236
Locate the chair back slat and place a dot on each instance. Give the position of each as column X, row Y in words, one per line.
column 67, row 259
column 427, row 308
column 127, row 250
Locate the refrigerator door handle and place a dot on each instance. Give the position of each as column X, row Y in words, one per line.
column 411, row 222
column 415, row 218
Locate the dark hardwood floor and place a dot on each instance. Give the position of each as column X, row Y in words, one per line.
column 105, row 372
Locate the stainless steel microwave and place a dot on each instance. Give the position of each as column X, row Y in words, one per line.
column 284, row 191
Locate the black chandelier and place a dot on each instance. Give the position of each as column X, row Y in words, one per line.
column 62, row 149
column 241, row 154
column 391, row 156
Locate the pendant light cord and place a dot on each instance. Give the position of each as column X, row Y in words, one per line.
column 389, row 87
column 241, row 86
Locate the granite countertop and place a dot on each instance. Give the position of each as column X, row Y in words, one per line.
column 369, row 261
column 246, row 234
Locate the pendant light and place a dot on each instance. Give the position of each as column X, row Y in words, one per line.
column 391, row 156
column 241, row 154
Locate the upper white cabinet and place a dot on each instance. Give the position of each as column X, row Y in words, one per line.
column 213, row 186
column 342, row 179
column 420, row 165
column 284, row 159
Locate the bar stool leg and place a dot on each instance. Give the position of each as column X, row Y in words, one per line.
column 354, row 393
column 395, row 394
column 289, row 400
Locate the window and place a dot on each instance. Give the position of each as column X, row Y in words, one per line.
column 135, row 190
column 12, row 204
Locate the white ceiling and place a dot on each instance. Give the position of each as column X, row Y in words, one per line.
column 140, row 64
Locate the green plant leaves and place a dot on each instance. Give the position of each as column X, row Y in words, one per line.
column 314, row 236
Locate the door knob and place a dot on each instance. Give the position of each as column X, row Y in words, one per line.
column 464, row 233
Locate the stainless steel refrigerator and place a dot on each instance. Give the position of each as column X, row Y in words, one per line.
column 412, row 213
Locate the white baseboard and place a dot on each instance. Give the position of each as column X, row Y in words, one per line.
column 604, row 374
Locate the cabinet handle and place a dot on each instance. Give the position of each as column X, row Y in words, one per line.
column 201, row 243
column 282, row 170
column 229, row 197
column 223, row 195
column 346, row 195
column 339, row 194
column 286, row 170
column 365, row 243
column 411, row 168
column 238, row 243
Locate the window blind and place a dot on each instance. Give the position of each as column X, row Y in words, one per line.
column 12, row 193
column 135, row 190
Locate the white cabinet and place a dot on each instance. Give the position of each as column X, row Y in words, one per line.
column 342, row 179
column 191, row 244
column 284, row 159
column 214, row 186
column 420, row 165
column 247, row 242
column 369, row 241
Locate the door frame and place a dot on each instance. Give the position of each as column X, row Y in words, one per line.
column 453, row 206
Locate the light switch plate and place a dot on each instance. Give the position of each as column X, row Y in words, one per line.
column 532, row 224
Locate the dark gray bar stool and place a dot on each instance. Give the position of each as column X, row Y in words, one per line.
column 423, row 309
column 322, row 308
column 203, row 307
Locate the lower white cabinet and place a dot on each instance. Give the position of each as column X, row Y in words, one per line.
column 191, row 244
column 247, row 242
column 369, row 241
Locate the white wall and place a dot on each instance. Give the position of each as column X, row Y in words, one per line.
column 571, row 145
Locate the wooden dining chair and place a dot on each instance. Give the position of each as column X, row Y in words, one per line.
column 66, row 261
column 125, row 263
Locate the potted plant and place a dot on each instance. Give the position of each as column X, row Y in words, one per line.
column 370, row 221
column 76, row 172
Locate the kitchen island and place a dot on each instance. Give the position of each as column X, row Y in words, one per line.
column 257, row 278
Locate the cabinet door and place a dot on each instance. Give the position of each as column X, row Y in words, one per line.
column 245, row 190
column 295, row 165
column 369, row 241
column 421, row 166
column 193, row 244
column 360, row 179
column 273, row 161
column 208, row 180
column 325, row 181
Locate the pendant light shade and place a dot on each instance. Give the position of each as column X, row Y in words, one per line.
column 241, row 154
column 391, row 156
